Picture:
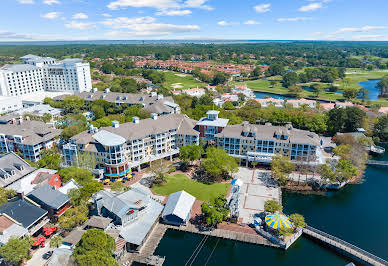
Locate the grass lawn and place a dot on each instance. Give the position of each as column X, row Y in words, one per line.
column 199, row 190
column 187, row 80
column 353, row 77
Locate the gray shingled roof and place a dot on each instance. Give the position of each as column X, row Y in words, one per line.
column 267, row 132
column 34, row 132
column 49, row 196
column 12, row 162
column 107, row 138
column 23, row 212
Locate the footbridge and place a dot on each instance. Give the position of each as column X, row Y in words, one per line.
column 345, row 247
column 372, row 162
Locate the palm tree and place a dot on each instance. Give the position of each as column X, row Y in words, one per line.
column 56, row 241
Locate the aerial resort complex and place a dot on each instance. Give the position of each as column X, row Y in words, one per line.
column 211, row 133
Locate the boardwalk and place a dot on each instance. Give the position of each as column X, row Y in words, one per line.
column 372, row 162
column 346, row 247
column 146, row 255
column 226, row 234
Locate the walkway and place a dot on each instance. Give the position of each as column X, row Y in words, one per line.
column 346, row 247
column 372, row 162
column 226, row 234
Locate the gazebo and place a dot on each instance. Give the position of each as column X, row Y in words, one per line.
column 277, row 221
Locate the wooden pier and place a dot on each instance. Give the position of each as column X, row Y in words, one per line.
column 373, row 162
column 345, row 247
column 146, row 254
column 226, row 234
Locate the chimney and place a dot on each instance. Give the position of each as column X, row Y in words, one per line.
column 94, row 90
column 107, row 90
column 160, row 96
column 20, row 121
column 154, row 116
column 21, row 195
column 135, row 120
column 115, row 124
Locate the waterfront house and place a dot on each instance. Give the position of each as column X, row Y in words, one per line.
column 178, row 207
column 268, row 101
column 133, row 212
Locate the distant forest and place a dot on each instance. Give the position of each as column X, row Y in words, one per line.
column 298, row 54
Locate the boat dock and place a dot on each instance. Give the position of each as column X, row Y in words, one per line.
column 226, row 234
column 345, row 247
column 382, row 163
column 146, row 254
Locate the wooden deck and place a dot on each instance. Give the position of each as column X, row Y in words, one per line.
column 146, row 254
column 345, row 247
column 226, row 234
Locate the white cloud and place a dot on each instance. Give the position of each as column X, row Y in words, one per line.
column 143, row 26
column 80, row 25
column 223, row 23
column 26, row 2
column 311, row 7
column 80, row 16
column 51, row 15
column 51, row 2
column 159, row 4
column 365, row 28
column 251, row 22
column 263, row 8
column 367, row 37
column 183, row 12
column 293, row 19
column 106, row 15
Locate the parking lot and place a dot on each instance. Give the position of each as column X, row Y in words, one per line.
column 258, row 186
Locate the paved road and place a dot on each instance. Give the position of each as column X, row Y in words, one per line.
column 37, row 259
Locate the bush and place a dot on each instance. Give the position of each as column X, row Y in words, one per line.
column 272, row 206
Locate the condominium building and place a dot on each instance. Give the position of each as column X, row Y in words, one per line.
column 38, row 74
column 119, row 148
column 10, row 104
column 152, row 102
column 30, row 138
column 211, row 125
column 259, row 143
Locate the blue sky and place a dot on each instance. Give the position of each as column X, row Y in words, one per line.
column 34, row 20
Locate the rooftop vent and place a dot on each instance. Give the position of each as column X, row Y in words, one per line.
column 94, row 90
column 154, row 116
column 107, row 90
column 135, row 120
column 115, row 124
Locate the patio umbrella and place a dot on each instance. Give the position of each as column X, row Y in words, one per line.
column 119, row 180
column 277, row 221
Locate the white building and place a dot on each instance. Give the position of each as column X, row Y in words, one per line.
column 10, row 104
column 38, row 74
column 195, row 92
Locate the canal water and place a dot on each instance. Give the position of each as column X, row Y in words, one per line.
column 357, row 214
column 370, row 85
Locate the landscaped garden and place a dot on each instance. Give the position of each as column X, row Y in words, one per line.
column 201, row 191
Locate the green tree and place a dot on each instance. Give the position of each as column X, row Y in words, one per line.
column 281, row 167
column 56, row 241
column 228, row 106
column 73, row 217
column 47, row 117
column 95, row 248
column 98, row 111
column 219, row 163
column 382, row 85
column 160, row 169
column 295, row 91
column 81, row 176
column 220, row 78
column 350, row 93
column 51, row 159
column 117, row 187
column 6, row 194
column 272, row 206
column 16, row 249
column 346, row 170
column 284, row 231
column 381, row 128
column 72, row 130
column 298, row 220
column 215, row 211
column 290, row 79
column 275, row 69
column 256, row 72
column 317, row 89
column 86, row 160
column 190, row 153
column 73, row 104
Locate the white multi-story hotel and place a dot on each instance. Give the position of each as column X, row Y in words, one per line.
column 38, row 74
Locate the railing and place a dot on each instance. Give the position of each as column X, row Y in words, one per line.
column 373, row 162
column 352, row 247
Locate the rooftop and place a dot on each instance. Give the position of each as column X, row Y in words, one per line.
column 219, row 122
column 107, row 138
column 179, row 204
column 13, row 168
column 19, row 67
column 49, row 196
column 40, row 110
column 23, row 212
column 97, row 222
column 74, row 237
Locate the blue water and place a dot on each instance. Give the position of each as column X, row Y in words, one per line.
column 262, row 95
column 357, row 214
column 371, row 86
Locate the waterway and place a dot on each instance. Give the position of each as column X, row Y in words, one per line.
column 370, row 85
column 357, row 214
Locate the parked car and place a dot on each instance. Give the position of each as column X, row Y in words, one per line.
column 47, row 255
